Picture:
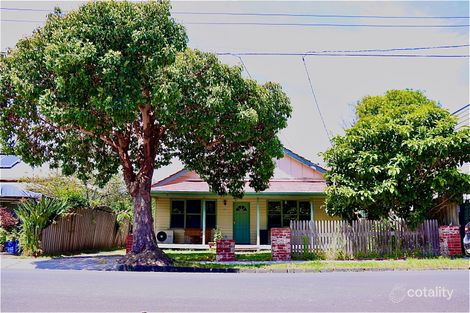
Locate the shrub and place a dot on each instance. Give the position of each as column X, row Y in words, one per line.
column 3, row 236
column 35, row 216
column 7, row 219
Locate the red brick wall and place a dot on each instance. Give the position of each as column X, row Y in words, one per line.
column 225, row 250
column 280, row 244
column 449, row 240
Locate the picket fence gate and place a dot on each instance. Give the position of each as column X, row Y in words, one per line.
column 364, row 237
column 84, row 229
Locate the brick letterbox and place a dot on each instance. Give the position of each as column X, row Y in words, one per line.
column 449, row 240
column 225, row 250
column 281, row 244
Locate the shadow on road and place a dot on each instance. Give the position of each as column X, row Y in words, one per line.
column 93, row 263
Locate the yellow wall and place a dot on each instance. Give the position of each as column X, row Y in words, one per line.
column 224, row 214
column 319, row 213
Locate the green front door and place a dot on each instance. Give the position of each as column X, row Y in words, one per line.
column 241, row 222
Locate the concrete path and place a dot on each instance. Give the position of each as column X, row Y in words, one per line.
column 87, row 262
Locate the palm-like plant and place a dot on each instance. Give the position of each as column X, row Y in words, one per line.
column 34, row 217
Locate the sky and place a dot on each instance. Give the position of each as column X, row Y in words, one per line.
column 338, row 82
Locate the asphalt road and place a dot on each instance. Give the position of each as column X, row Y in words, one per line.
column 69, row 290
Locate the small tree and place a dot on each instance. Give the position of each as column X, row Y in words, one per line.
column 7, row 219
column 79, row 194
column 112, row 87
column 402, row 152
column 35, row 215
column 65, row 188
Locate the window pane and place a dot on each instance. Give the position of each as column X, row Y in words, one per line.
column 210, row 221
column 289, row 212
column 274, row 214
column 193, row 206
column 304, row 210
column 193, row 221
column 286, row 220
column 177, row 207
column 177, row 221
column 274, row 207
column 210, row 207
column 274, row 221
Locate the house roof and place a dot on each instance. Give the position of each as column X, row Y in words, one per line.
column 284, row 181
column 304, row 160
column 12, row 191
column 8, row 161
column 275, row 187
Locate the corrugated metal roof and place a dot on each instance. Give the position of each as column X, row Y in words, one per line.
column 11, row 191
column 463, row 116
column 8, row 161
column 288, row 152
column 304, row 160
column 280, row 186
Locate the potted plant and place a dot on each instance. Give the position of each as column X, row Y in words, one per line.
column 11, row 244
column 216, row 235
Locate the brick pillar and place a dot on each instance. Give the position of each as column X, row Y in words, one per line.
column 449, row 240
column 280, row 244
column 225, row 250
column 129, row 241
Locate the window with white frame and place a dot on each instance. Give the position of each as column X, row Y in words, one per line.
column 188, row 214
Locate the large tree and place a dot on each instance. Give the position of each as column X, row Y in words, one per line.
column 401, row 154
column 113, row 87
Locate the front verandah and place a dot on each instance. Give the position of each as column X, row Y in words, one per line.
column 182, row 246
column 259, row 220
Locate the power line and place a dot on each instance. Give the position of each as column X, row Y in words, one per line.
column 26, row 9
column 360, row 52
column 393, row 49
column 22, row 21
column 243, row 64
column 268, row 14
column 319, row 15
column 315, row 98
column 326, row 25
column 346, row 54
column 293, row 24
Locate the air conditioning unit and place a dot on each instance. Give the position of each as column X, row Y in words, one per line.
column 165, row 236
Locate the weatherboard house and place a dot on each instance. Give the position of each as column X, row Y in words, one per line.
column 187, row 212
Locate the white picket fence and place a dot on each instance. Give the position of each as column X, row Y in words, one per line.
column 364, row 237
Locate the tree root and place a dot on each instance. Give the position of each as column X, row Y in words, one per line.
column 147, row 257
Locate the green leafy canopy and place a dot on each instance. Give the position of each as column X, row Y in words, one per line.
column 113, row 85
column 402, row 153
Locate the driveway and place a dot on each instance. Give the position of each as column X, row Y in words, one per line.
column 86, row 262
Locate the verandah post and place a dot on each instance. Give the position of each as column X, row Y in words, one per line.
column 203, row 222
column 258, row 240
column 311, row 210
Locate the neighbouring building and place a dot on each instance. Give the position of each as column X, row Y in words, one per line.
column 12, row 170
column 463, row 116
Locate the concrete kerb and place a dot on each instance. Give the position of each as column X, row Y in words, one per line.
column 109, row 263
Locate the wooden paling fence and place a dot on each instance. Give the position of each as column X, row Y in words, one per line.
column 364, row 237
column 84, row 229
